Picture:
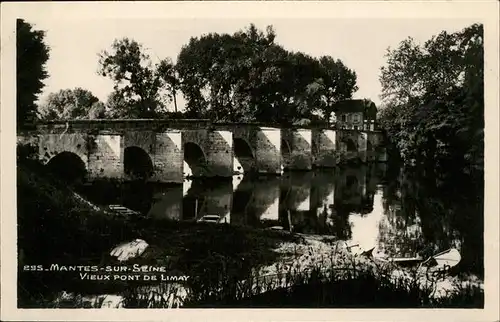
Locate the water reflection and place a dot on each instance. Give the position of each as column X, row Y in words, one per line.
column 306, row 202
column 429, row 213
column 400, row 213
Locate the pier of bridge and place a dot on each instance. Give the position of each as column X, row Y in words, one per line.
column 171, row 150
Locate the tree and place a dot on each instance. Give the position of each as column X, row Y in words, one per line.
column 32, row 55
column 136, row 79
column 98, row 111
column 434, row 98
column 339, row 83
column 215, row 70
column 118, row 107
column 246, row 76
column 168, row 73
column 402, row 79
column 68, row 104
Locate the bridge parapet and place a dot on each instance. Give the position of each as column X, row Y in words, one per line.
column 166, row 124
column 120, row 125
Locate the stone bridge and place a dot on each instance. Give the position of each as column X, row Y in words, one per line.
column 170, row 150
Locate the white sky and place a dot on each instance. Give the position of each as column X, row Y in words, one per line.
column 359, row 43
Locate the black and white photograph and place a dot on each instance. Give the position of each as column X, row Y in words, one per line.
column 212, row 161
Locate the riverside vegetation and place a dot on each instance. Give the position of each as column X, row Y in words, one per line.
column 230, row 266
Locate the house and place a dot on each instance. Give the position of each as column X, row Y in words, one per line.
column 358, row 114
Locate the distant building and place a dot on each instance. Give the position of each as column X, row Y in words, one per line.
column 359, row 114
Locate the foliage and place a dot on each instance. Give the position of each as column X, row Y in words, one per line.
column 144, row 88
column 168, row 74
column 32, row 55
column 117, row 106
column 339, row 83
column 248, row 77
column 77, row 103
column 434, row 100
column 98, row 111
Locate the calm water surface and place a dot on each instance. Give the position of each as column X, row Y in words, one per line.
column 398, row 212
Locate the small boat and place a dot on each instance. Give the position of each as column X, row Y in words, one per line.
column 442, row 261
column 214, row 219
column 119, row 209
column 438, row 262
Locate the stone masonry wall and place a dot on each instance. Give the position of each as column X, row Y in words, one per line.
column 268, row 150
column 324, row 148
column 105, row 156
column 53, row 144
column 219, row 153
column 300, row 143
column 168, row 157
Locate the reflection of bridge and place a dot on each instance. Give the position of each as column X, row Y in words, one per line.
column 253, row 200
column 169, row 150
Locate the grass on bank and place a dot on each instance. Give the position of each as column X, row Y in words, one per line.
column 362, row 289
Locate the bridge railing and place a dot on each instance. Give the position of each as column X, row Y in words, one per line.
column 105, row 124
column 148, row 122
column 110, row 124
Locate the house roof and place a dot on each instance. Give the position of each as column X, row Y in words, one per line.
column 355, row 105
column 350, row 106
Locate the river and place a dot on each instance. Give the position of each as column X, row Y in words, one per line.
column 400, row 213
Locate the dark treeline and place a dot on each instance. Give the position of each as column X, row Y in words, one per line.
column 31, row 56
column 434, row 100
column 243, row 77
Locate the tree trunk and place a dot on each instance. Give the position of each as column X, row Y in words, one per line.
column 175, row 101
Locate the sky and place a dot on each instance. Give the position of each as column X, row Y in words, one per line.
column 360, row 43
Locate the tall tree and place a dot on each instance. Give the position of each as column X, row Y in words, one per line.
column 401, row 78
column 339, row 83
column 246, row 76
column 32, row 55
column 68, row 104
column 168, row 73
column 136, row 79
column 435, row 99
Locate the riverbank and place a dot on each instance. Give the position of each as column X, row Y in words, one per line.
column 316, row 271
column 68, row 230
column 330, row 273
column 228, row 266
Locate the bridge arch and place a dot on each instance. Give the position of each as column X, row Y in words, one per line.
column 351, row 181
column 137, row 163
column 243, row 154
column 195, row 159
column 350, row 144
column 68, row 166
